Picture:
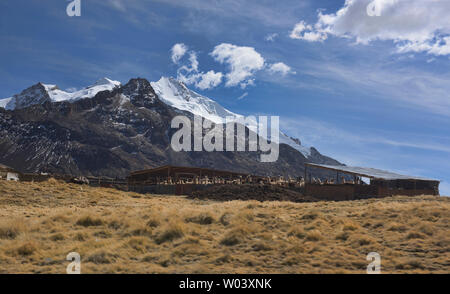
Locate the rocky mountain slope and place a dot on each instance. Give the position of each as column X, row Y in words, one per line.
column 118, row 129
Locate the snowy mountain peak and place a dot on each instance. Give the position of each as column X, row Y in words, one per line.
column 141, row 93
column 177, row 95
column 36, row 94
column 49, row 88
column 106, row 81
column 40, row 93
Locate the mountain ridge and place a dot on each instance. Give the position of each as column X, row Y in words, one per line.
column 117, row 131
column 171, row 91
column 40, row 93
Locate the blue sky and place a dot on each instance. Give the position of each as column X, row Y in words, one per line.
column 366, row 90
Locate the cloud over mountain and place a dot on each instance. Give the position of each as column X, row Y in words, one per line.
column 412, row 25
column 178, row 50
column 241, row 62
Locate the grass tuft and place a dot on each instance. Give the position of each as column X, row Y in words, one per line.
column 202, row 219
column 27, row 249
column 314, row 236
column 101, row 258
column 169, row 233
column 88, row 221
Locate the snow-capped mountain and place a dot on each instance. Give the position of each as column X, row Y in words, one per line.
column 171, row 91
column 177, row 95
column 41, row 93
column 120, row 130
column 4, row 102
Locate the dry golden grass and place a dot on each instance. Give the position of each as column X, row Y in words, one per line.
column 120, row 232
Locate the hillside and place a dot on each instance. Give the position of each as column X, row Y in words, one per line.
column 120, row 232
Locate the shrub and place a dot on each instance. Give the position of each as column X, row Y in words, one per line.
column 225, row 219
column 169, row 233
column 57, row 237
column 202, row 219
column 378, row 225
column 415, row 235
column 223, row 259
column 314, row 235
column 141, row 232
column 101, row 258
column 427, row 229
column 261, row 247
column 137, row 243
column 26, row 249
column 153, row 223
column 80, row 237
column 234, row 236
column 115, row 224
column 362, row 240
column 103, row 234
column 350, row 227
column 60, row 218
column 150, row 258
column 343, row 236
column 88, row 221
column 9, row 232
column 397, row 228
column 291, row 260
column 296, row 232
column 310, row 216
column 415, row 264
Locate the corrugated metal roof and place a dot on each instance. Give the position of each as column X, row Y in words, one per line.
column 370, row 172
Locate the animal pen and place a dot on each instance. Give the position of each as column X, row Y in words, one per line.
column 382, row 184
column 179, row 180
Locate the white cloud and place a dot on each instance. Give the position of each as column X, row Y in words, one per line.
column 281, row 68
column 189, row 73
column 242, row 96
column 117, row 4
column 178, row 51
column 303, row 31
column 242, row 61
column 245, row 84
column 413, row 25
column 194, row 61
column 405, row 87
column 209, row 80
column 271, row 37
column 201, row 80
column 192, row 67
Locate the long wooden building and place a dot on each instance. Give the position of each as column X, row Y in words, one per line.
column 382, row 183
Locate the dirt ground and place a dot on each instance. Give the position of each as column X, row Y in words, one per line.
column 122, row 232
